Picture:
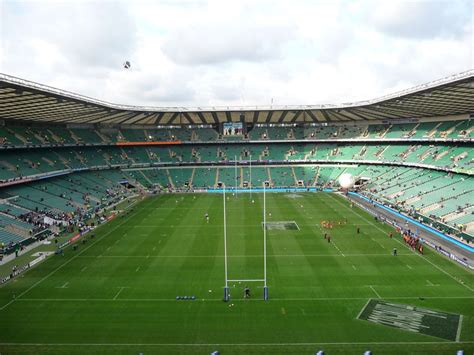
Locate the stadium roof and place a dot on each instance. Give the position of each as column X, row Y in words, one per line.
column 25, row 100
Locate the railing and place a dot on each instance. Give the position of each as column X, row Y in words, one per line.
column 243, row 141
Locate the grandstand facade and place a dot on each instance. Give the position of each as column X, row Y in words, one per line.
column 64, row 156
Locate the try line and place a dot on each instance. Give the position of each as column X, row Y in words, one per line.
column 234, row 300
column 239, row 256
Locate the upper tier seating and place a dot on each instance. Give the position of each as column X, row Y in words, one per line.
column 57, row 135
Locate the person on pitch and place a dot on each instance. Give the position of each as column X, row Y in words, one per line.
column 246, row 292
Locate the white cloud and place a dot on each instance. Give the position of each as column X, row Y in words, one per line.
column 86, row 34
column 422, row 18
column 223, row 42
column 199, row 53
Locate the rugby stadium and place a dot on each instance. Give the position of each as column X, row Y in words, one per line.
column 336, row 228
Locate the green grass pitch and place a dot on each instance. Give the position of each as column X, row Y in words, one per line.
column 116, row 294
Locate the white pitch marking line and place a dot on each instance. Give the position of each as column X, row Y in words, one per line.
column 235, row 300
column 458, row 332
column 64, row 286
column 430, row 283
column 429, row 261
column 373, row 289
column 118, row 293
column 186, row 226
column 245, row 256
column 339, row 250
column 353, row 266
column 378, row 243
column 408, row 266
column 138, row 268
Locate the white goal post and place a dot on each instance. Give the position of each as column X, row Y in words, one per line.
column 264, row 279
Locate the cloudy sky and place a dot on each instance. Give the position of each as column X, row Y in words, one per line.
column 219, row 53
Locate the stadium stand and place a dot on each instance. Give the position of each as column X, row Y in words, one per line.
column 204, row 178
column 68, row 170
